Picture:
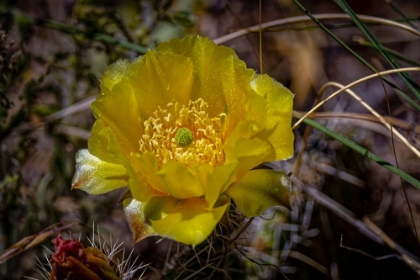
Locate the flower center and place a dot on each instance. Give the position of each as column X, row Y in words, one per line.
column 184, row 137
column 187, row 135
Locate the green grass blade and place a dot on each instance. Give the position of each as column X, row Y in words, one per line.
column 398, row 55
column 378, row 45
column 401, row 13
column 323, row 27
column 352, row 145
column 367, row 64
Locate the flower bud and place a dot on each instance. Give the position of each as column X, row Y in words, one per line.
column 72, row 260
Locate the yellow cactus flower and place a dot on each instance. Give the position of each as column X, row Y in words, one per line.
column 183, row 127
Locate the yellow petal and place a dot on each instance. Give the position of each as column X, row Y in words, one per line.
column 98, row 142
column 260, row 189
column 104, row 145
column 247, row 153
column 257, row 110
column 187, row 221
column 158, row 78
column 245, row 129
column 146, row 164
column 220, row 77
column 214, row 180
column 218, row 180
column 250, row 153
column 191, row 222
column 201, row 172
column 114, row 74
column 116, row 108
column 236, row 83
column 174, row 178
column 280, row 105
column 207, row 60
column 96, row 176
column 179, row 182
column 139, row 214
column 140, row 188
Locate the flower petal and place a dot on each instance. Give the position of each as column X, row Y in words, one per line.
column 260, row 189
column 114, row 74
column 237, row 93
column 117, row 109
column 158, row 78
column 140, row 188
column 96, row 176
column 178, row 181
column 187, row 221
column 207, row 60
column 191, row 222
column 218, row 180
column 98, row 142
column 250, row 153
column 280, row 105
column 134, row 212
column 104, row 145
column 257, row 110
column 246, row 129
column 174, row 178
column 140, row 213
column 220, row 77
column 146, row 164
column 201, row 172
column 244, row 148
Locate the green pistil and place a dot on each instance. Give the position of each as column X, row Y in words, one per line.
column 184, row 137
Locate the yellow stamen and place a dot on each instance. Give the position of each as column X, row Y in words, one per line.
column 167, row 136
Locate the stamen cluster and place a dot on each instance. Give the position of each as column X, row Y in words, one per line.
column 160, row 135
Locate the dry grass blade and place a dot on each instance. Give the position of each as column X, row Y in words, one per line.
column 309, row 261
column 377, row 75
column 70, row 110
column 368, row 229
column 376, row 114
column 299, row 19
column 33, row 240
column 407, row 258
column 367, row 117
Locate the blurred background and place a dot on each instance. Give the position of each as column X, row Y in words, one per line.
column 52, row 53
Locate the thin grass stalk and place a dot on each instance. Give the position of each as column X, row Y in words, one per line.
column 367, row 64
column 376, row 114
column 352, row 145
column 398, row 55
column 379, row 74
column 415, row 89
